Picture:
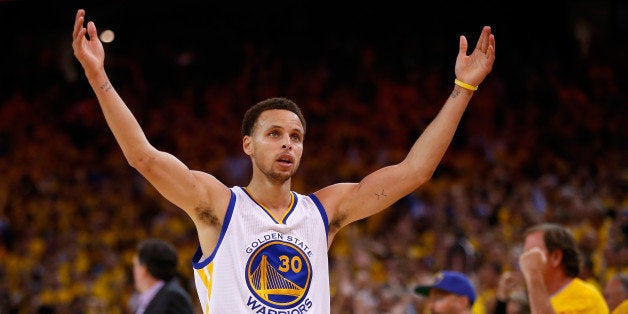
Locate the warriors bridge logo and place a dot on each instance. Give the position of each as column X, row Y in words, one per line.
column 279, row 274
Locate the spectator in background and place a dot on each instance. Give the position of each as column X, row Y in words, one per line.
column 550, row 264
column 616, row 293
column 461, row 255
column 154, row 272
column 510, row 296
column 451, row 292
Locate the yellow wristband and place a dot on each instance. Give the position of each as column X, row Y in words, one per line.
column 465, row 85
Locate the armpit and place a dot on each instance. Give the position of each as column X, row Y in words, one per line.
column 336, row 223
column 207, row 215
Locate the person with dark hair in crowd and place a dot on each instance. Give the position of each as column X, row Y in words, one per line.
column 263, row 247
column 616, row 293
column 155, row 278
column 550, row 264
column 452, row 292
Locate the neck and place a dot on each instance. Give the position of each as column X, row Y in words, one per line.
column 275, row 197
column 555, row 284
column 146, row 284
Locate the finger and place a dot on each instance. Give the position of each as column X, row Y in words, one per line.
column 491, row 45
column 78, row 22
column 483, row 41
column 79, row 36
column 91, row 30
column 463, row 46
column 539, row 251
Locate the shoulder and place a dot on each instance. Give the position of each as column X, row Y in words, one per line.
column 331, row 195
column 173, row 286
column 171, row 298
column 621, row 308
column 178, row 295
column 582, row 293
column 584, row 285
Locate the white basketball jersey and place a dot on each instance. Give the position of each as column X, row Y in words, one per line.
column 266, row 264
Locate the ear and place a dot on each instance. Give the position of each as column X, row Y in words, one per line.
column 555, row 258
column 247, row 145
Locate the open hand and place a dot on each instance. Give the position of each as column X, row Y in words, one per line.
column 89, row 52
column 472, row 69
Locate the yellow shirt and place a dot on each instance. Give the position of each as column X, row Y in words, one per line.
column 479, row 306
column 579, row 297
column 621, row 308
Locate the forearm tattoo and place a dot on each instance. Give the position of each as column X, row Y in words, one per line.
column 106, row 86
column 455, row 93
column 381, row 194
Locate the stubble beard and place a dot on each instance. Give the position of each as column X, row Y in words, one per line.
column 279, row 178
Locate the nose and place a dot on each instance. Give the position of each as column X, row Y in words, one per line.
column 287, row 143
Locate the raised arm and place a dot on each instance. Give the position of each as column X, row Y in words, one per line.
column 532, row 263
column 187, row 189
column 348, row 202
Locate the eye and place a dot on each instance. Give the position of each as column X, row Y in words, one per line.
column 296, row 137
column 273, row 133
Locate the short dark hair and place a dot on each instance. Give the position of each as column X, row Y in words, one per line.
column 159, row 257
column 557, row 237
column 253, row 113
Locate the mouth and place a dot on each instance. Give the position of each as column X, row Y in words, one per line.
column 286, row 160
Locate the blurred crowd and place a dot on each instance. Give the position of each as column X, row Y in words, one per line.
column 543, row 139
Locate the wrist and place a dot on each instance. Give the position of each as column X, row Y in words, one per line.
column 96, row 78
column 466, row 86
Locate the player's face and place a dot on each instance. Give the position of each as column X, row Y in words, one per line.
column 276, row 144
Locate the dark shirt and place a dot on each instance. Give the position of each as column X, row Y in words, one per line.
column 170, row 299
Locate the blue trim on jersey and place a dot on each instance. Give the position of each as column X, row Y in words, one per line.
column 294, row 205
column 321, row 209
column 196, row 262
